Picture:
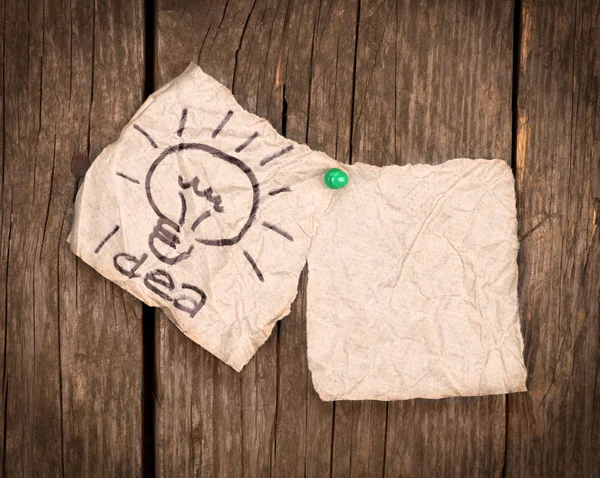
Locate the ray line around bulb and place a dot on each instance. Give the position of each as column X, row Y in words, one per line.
column 182, row 122
column 106, row 239
column 252, row 262
column 222, row 124
column 276, row 155
column 129, row 178
column 246, row 143
column 147, row 136
column 278, row 230
column 285, row 189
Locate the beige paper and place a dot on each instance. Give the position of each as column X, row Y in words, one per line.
column 202, row 209
column 412, row 288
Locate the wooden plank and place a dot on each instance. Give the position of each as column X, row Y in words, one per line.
column 431, row 84
column 72, row 77
column 241, row 49
column 554, row 430
column 253, row 86
column 417, row 107
column 203, row 426
column 318, row 94
column 4, row 240
column 329, row 130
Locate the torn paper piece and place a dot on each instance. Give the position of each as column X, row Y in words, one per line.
column 202, row 209
column 412, row 285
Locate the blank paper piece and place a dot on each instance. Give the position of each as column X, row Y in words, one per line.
column 412, row 288
column 202, row 209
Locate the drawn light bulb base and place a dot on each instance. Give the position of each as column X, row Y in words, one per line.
column 165, row 243
column 201, row 196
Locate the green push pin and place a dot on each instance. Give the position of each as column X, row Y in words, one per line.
column 335, row 178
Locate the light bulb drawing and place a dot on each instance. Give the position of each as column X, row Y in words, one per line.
column 203, row 196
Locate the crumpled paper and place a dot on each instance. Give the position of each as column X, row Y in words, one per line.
column 412, row 288
column 202, row 209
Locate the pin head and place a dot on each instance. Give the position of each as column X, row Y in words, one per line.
column 335, row 178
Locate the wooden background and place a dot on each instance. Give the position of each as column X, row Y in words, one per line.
column 94, row 384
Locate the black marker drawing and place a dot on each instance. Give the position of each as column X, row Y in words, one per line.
column 160, row 278
column 129, row 264
column 279, row 231
column 254, row 266
column 106, row 239
column 148, row 137
column 202, row 196
column 246, row 143
column 187, row 298
column 182, row 122
column 276, row 155
column 198, row 159
column 222, row 124
column 194, row 306
column 183, row 209
column 129, row 178
column 201, row 217
column 208, row 193
column 166, row 233
column 279, row 191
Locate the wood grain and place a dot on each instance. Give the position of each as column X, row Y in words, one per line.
column 431, row 84
column 285, row 429
column 329, row 121
column 72, row 76
column 328, row 104
column 318, row 96
column 203, row 428
column 554, row 429
column 375, row 81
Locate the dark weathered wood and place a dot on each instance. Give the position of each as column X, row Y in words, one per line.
column 72, row 77
column 318, row 95
column 291, row 439
column 428, row 85
column 408, row 82
column 329, row 130
column 285, row 429
column 253, row 80
column 4, row 240
column 432, row 83
column 554, row 430
column 203, row 428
